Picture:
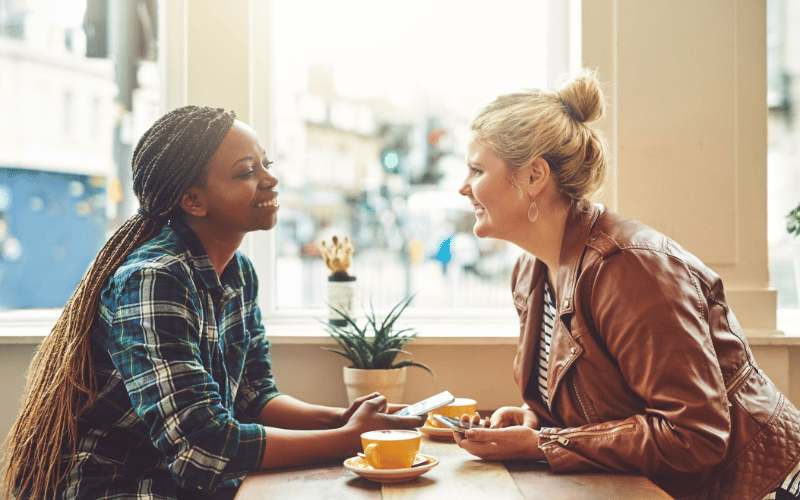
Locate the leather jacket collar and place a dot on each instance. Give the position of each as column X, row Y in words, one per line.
column 576, row 236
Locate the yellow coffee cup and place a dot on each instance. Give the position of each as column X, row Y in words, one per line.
column 390, row 449
column 454, row 410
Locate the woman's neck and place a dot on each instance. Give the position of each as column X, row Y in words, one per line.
column 219, row 247
column 544, row 237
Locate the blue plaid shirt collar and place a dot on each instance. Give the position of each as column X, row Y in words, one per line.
column 232, row 277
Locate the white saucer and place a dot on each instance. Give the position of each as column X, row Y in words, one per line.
column 360, row 467
column 437, row 433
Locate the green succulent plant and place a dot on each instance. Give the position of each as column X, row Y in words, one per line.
column 379, row 349
column 793, row 222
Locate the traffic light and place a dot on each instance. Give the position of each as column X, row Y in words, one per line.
column 396, row 148
column 434, row 154
column 434, row 149
column 390, row 161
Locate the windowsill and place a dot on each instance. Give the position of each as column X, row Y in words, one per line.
column 458, row 328
column 26, row 326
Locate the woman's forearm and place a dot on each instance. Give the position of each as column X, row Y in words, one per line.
column 298, row 447
column 286, row 412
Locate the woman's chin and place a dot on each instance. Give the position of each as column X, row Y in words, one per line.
column 268, row 223
column 481, row 231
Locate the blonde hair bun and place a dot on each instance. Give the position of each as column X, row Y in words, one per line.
column 583, row 97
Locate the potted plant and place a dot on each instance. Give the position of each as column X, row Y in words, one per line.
column 372, row 350
column 793, row 228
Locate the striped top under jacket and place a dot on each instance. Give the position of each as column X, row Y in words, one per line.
column 548, row 320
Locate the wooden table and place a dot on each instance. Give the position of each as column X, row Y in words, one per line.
column 459, row 476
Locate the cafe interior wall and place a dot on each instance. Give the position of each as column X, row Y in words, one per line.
column 686, row 127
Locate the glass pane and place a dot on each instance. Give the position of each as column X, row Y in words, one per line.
column 70, row 118
column 373, row 100
column 783, row 77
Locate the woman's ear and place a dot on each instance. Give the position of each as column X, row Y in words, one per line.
column 192, row 202
column 535, row 176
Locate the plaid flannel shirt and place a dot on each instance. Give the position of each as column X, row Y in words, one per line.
column 182, row 365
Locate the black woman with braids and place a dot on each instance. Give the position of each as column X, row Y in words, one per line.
column 155, row 381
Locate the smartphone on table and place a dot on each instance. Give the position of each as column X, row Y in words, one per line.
column 456, row 424
column 426, row 405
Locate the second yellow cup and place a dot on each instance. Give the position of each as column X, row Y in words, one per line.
column 454, row 410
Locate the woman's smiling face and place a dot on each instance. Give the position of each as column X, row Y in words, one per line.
column 500, row 207
column 240, row 189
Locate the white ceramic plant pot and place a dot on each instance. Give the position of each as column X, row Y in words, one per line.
column 341, row 296
column 390, row 383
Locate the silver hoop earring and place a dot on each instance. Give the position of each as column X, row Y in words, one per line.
column 533, row 212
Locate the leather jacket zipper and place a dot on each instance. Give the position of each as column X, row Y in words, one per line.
column 580, row 401
column 738, row 380
column 563, row 439
column 557, row 439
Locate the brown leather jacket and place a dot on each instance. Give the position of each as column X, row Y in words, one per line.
column 649, row 370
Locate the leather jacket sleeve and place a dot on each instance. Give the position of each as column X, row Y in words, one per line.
column 658, row 403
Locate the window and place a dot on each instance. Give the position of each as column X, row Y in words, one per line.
column 373, row 101
column 372, row 105
column 783, row 65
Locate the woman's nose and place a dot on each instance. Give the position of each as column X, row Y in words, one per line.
column 268, row 180
column 464, row 189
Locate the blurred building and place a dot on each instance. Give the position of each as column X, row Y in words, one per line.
column 56, row 155
column 382, row 175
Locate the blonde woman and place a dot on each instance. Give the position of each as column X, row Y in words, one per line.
column 629, row 357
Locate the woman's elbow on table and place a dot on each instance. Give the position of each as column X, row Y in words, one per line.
column 698, row 448
column 198, row 460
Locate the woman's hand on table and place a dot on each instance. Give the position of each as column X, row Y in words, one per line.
column 508, row 443
column 509, row 416
column 372, row 412
column 389, row 408
column 348, row 413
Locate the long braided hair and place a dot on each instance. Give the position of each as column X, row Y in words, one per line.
column 169, row 158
